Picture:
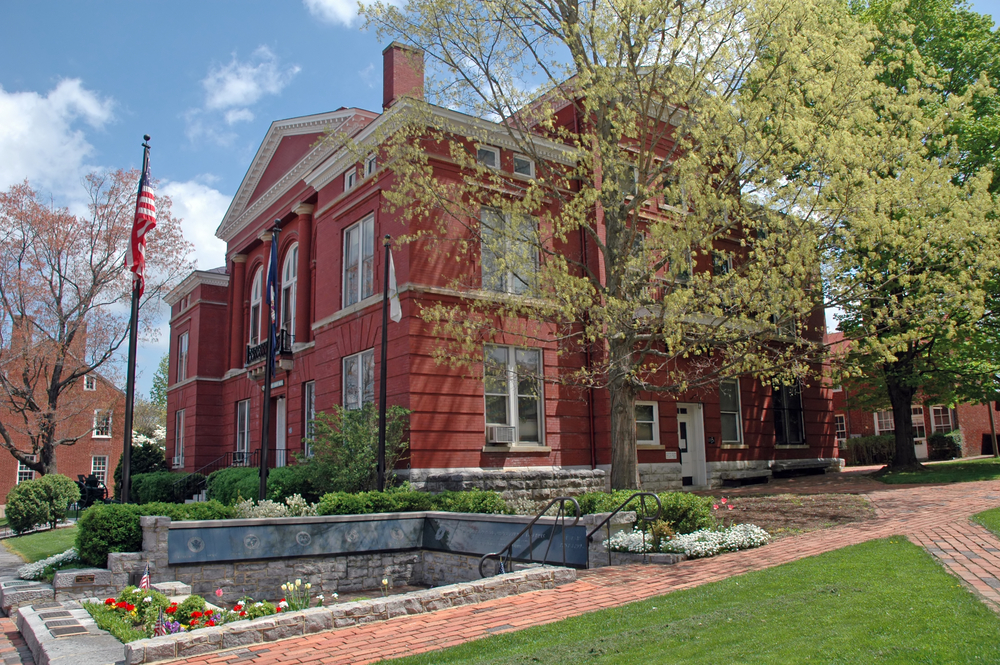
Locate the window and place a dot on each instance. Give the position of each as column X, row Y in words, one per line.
column 885, row 423
column 102, row 424
column 488, row 156
column 509, row 254
column 370, row 165
column 840, row 425
column 99, row 468
column 350, row 179
column 309, row 415
column 359, row 379
column 919, row 428
column 256, row 291
column 513, row 394
column 359, row 257
column 647, row 424
column 182, row 356
column 721, row 264
column 941, row 419
column 24, row 472
column 730, row 412
column 788, row 428
column 684, row 268
column 289, row 278
column 524, row 166
column 242, row 432
column 89, row 382
column 179, row 439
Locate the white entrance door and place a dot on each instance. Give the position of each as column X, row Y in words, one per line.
column 280, row 433
column 691, row 434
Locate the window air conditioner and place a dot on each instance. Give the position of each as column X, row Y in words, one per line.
column 500, row 434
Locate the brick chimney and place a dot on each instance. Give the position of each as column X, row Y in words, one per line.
column 402, row 73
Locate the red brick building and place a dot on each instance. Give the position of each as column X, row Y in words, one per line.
column 972, row 420
column 332, row 212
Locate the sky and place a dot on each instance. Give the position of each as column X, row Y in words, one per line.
column 81, row 82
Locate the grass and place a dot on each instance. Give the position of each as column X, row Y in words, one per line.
column 961, row 471
column 884, row 601
column 38, row 546
column 989, row 519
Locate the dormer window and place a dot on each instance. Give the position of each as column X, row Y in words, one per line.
column 350, row 179
column 488, row 156
column 90, row 383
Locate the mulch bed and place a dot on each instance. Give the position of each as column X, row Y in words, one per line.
column 790, row 514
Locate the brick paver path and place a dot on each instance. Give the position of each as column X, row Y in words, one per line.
column 935, row 517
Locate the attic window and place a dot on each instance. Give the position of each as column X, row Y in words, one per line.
column 488, row 156
column 350, row 179
column 524, row 166
column 370, row 165
column 89, row 383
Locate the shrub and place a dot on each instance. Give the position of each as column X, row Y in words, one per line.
column 155, row 486
column 342, row 503
column 190, row 604
column 403, row 501
column 867, row 450
column 45, row 567
column 27, row 506
column 60, row 491
column 684, row 512
column 947, row 445
column 286, row 481
column 230, row 485
column 178, row 512
column 474, row 501
column 103, row 529
column 146, row 458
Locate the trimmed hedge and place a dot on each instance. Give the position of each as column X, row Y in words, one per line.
column 40, row 501
column 162, row 486
column 869, row 450
column 402, row 501
column 947, row 445
column 684, row 512
column 230, row 485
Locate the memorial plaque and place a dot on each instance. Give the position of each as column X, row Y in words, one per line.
column 46, row 606
column 45, row 616
column 68, row 630
column 17, row 583
column 84, row 579
column 61, row 623
column 463, row 536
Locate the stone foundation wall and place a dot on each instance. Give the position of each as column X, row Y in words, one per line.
column 661, row 477
column 528, row 483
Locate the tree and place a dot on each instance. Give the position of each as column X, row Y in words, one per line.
column 708, row 153
column 158, row 391
column 147, row 457
column 916, row 327
column 64, row 300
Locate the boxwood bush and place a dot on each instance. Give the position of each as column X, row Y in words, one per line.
column 40, row 501
column 162, row 486
column 103, row 529
column 947, row 445
column 231, row 485
column 867, row 450
column 684, row 512
column 404, row 500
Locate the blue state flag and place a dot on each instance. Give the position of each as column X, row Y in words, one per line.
column 271, row 295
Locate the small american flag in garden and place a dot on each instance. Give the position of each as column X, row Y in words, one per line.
column 144, row 582
column 161, row 627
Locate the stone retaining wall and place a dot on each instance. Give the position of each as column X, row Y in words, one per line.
column 527, row 483
column 318, row 619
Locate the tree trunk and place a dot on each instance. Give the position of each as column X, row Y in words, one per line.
column 901, row 398
column 624, row 465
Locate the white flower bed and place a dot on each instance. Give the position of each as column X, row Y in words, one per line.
column 33, row 571
column 696, row 545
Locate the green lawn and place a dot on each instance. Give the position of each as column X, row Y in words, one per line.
column 949, row 472
column 884, row 601
column 989, row 519
column 38, row 546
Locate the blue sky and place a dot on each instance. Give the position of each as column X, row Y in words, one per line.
column 81, row 82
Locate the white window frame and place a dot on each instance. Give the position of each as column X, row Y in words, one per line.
column 882, row 420
column 371, row 163
column 102, row 424
column 941, row 414
column 525, row 159
column 509, row 281
column 25, row 473
column 513, row 396
column 488, row 149
column 364, row 265
column 738, row 413
column 99, row 468
column 289, row 287
column 917, row 418
column 350, row 179
column 179, row 419
column 363, row 392
column 89, row 382
column 309, row 415
column 182, row 356
column 256, row 299
column 655, row 441
column 242, row 431
column 840, row 426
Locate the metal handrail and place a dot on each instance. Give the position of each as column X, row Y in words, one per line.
column 646, row 517
column 509, row 547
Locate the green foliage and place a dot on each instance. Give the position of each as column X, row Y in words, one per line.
column 945, row 445
column 146, row 458
column 158, row 391
column 60, row 491
column 285, row 481
column 108, row 618
column 866, row 450
column 27, row 506
column 43, row 544
column 229, row 485
column 962, row 471
column 146, row 612
column 179, row 512
column 400, row 501
column 684, row 512
column 191, row 604
column 104, row 529
column 345, row 448
column 473, row 501
column 989, row 519
column 162, row 486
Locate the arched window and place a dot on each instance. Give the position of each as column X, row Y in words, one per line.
column 255, row 296
column 289, row 275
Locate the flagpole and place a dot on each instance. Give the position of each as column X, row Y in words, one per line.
column 265, row 417
column 133, row 337
column 386, row 242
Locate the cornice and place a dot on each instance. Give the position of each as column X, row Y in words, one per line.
column 196, row 278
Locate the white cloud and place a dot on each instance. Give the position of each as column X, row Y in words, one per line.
column 241, row 84
column 238, row 115
column 40, row 139
column 201, row 209
column 344, row 12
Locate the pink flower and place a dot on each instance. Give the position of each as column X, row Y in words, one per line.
column 723, row 499
column 715, row 506
column 218, row 592
column 730, row 506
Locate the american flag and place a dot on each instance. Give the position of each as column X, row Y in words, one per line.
column 144, row 582
column 160, row 628
column 145, row 221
